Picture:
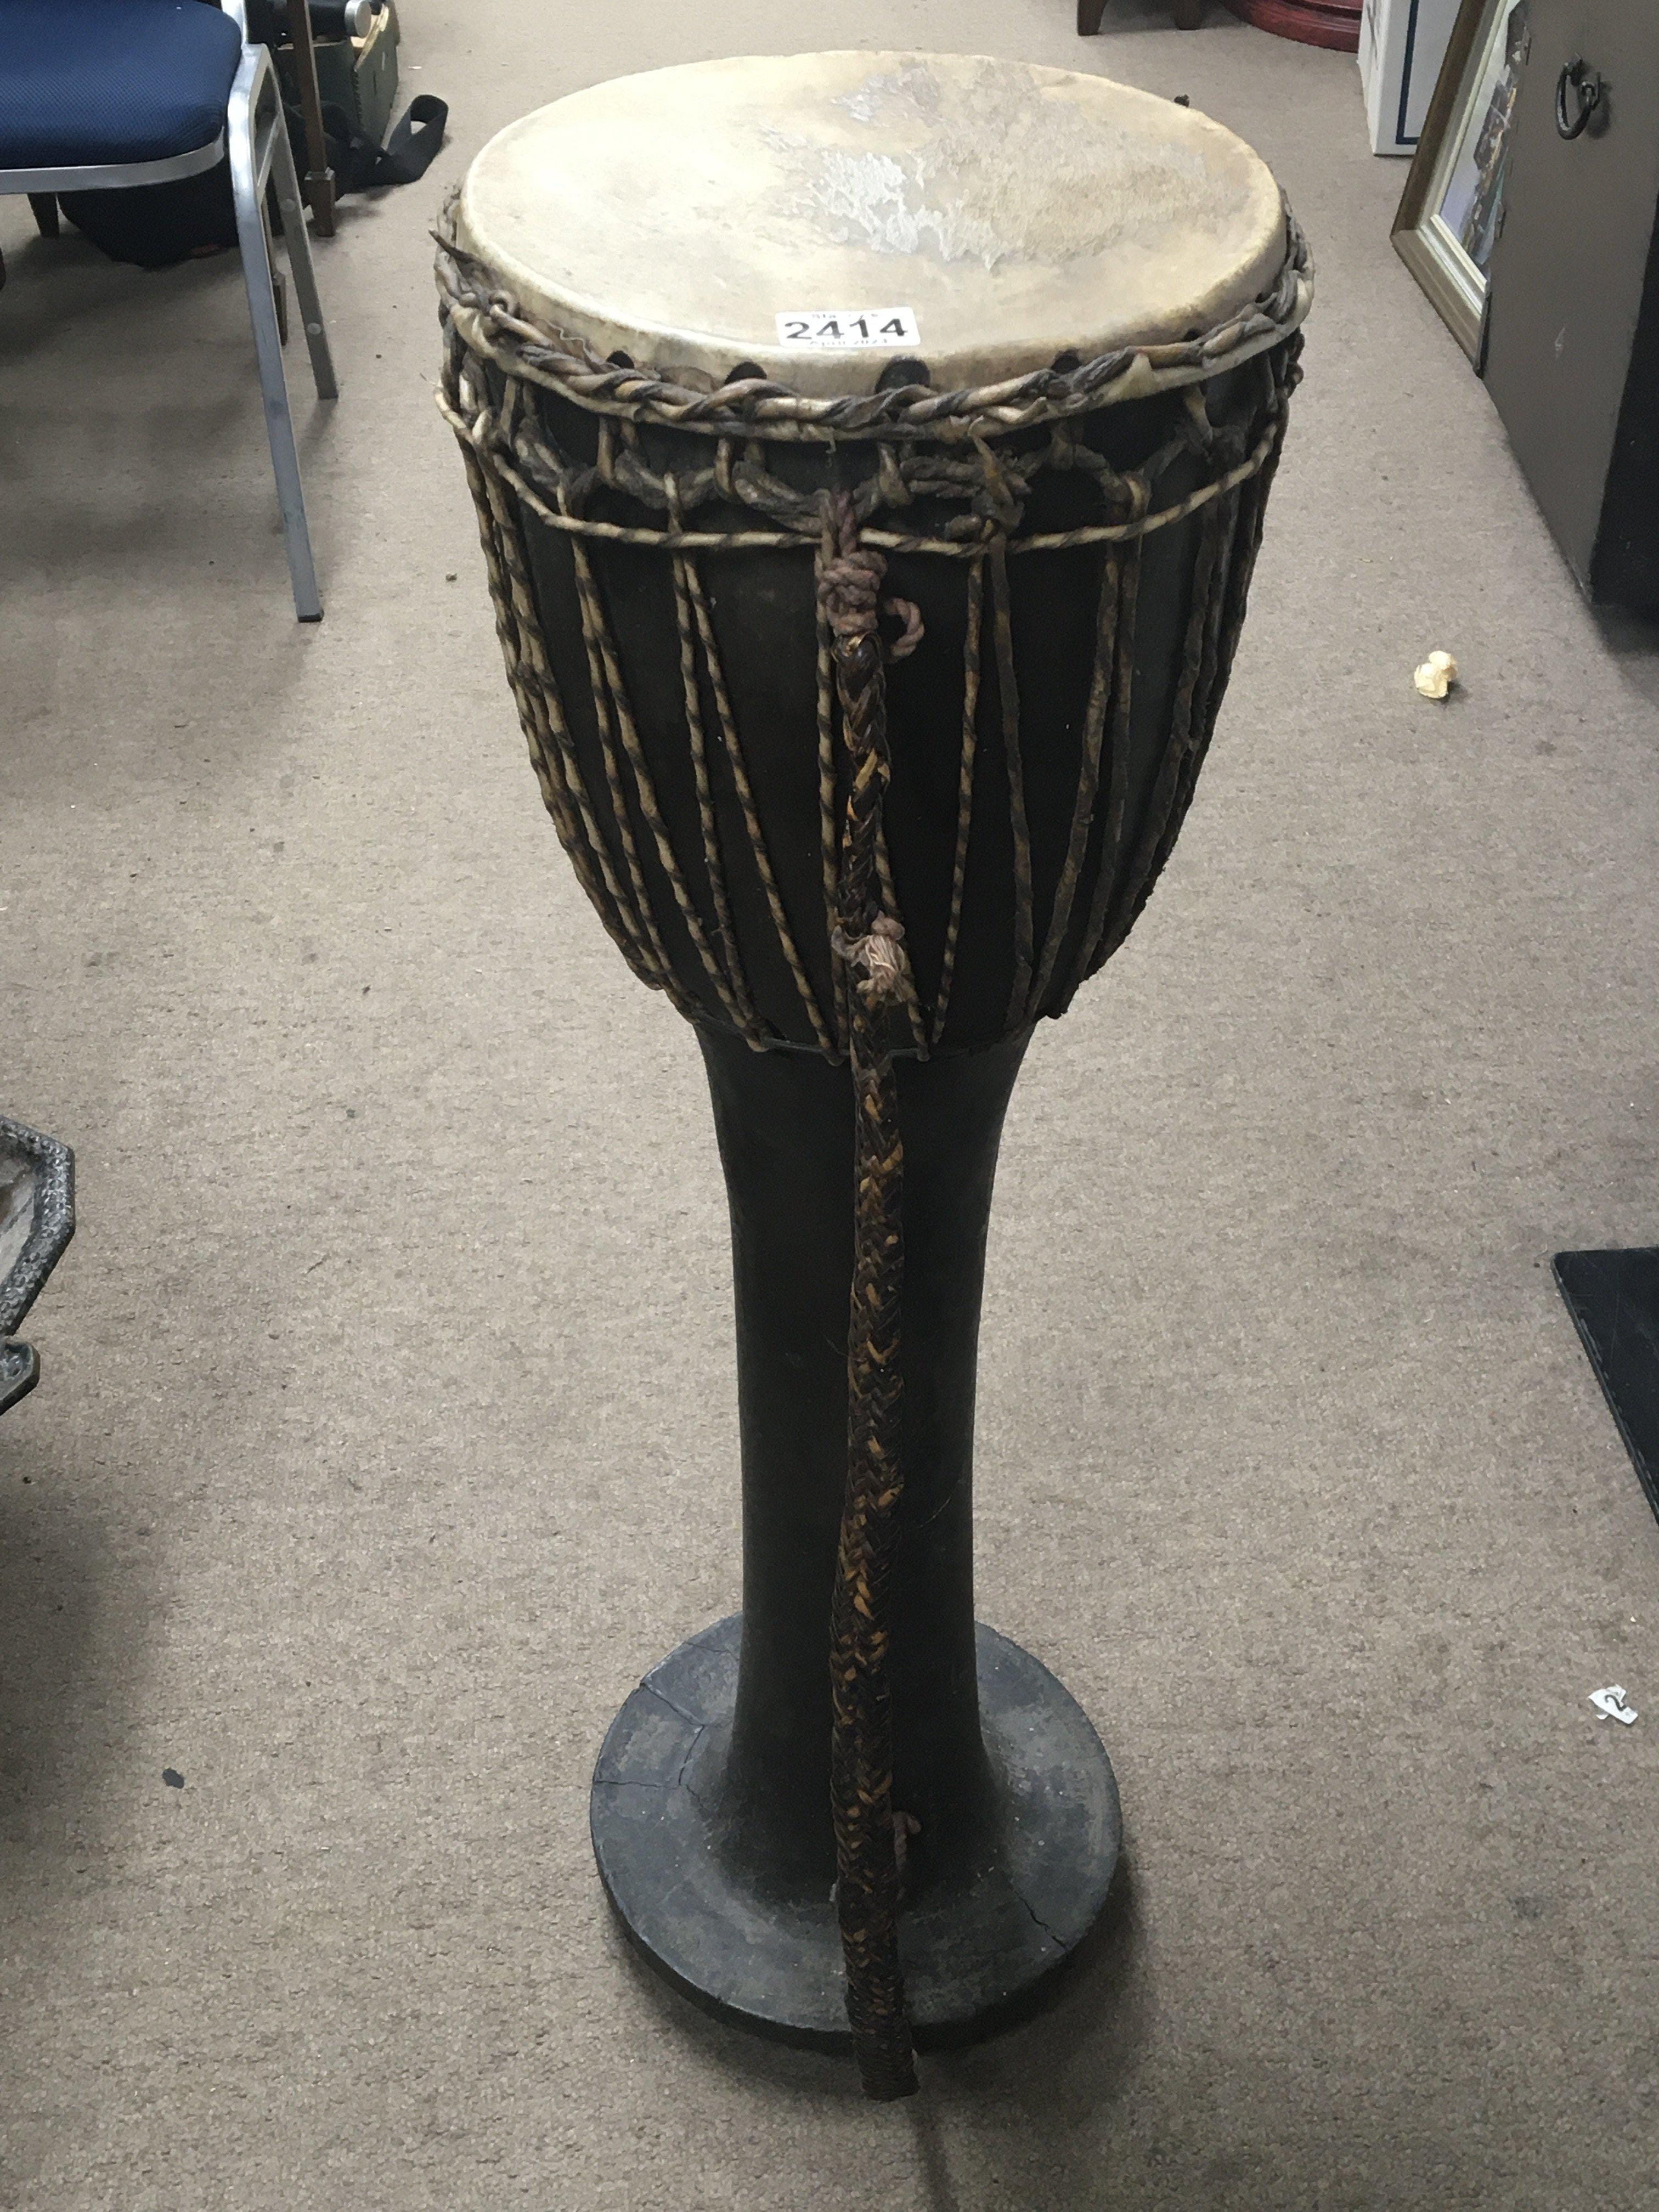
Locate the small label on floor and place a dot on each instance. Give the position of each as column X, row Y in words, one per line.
column 1610, row 1704
column 836, row 327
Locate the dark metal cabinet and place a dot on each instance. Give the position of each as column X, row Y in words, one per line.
column 1572, row 338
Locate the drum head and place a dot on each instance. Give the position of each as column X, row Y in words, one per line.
column 819, row 215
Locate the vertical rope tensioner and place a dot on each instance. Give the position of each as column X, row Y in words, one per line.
column 868, row 939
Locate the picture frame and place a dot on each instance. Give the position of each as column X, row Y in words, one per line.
column 1452, row 208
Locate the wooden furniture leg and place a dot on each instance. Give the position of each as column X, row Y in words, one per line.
column 318, row 177
column 1189, row 14
column 46, row 213
column 1333, row 23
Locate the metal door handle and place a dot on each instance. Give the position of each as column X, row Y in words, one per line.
column 1586, row 87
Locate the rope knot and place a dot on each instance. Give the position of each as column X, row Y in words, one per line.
column 850, row 578
column 849, row 592
column 878, row 956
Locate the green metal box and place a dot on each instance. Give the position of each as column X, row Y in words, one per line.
column 357, row 75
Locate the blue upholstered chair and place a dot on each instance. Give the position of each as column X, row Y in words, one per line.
column 106, row 93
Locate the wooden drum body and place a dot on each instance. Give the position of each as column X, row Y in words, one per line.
column 1054, row 472
column 1049, row 728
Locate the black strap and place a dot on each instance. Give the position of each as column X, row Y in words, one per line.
column 416, row 138
column 359, row 164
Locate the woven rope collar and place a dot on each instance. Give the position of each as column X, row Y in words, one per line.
column 497, row 326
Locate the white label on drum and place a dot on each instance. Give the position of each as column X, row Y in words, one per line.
column 849, row 326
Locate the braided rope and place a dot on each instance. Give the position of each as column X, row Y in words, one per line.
column 869, row 941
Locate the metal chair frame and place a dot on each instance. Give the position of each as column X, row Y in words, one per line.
column 256, row 137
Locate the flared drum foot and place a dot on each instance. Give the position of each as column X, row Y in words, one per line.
column 976, row 1947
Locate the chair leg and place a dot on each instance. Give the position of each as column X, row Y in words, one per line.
column 46, row 213
column 267, row 339
column 297, row 237
column 1089, row 13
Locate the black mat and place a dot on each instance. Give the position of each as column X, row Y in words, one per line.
column 1614, row 1298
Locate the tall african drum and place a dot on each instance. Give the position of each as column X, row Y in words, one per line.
column 870, row 453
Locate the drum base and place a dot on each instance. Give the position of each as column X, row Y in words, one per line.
column 974, row 1949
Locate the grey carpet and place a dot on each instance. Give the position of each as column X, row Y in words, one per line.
column 385, row 1433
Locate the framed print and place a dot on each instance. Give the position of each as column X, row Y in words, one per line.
column 1402, row 44
column 1452, row 207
